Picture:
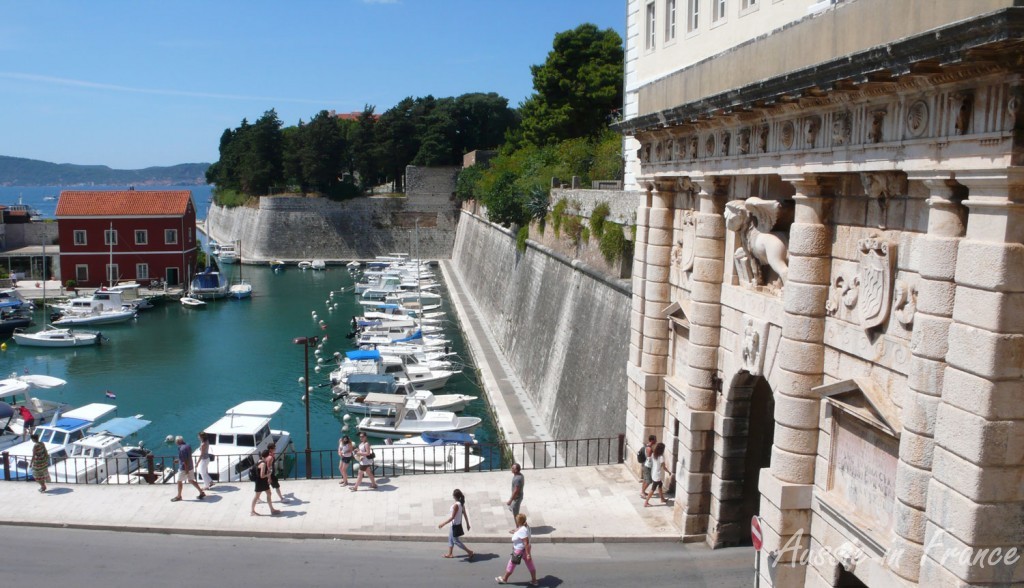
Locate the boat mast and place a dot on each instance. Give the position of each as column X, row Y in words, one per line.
column 110, row 264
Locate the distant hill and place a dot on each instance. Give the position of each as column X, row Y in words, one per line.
column 17, row 171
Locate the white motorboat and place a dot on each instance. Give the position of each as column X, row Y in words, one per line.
column 11, row 298
column 96, row 457
column 209, row 285
column 54, row 337
column 95, row 316
column 189, row 302
column 418, row 376
column 58, row 436
column 14, row 394
column 238, row 437
column 357, row 388
column 318, row 265
column 227, row 254
column 424, row 454
column 305, row 265
column 411, row 417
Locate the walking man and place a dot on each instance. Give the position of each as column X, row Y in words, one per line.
column 648, row 452
column 186, row 470
column 516, row 500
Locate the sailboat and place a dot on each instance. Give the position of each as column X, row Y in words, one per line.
column 51, row 336
column 209, row 284
column 242, row 289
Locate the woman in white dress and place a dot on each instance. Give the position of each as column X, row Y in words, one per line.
column 520, row 552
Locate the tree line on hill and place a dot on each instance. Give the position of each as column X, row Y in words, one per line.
column 18, row 171
column 561, row 130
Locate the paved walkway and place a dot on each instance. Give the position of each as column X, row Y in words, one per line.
column 586, row 504
column 583, row 504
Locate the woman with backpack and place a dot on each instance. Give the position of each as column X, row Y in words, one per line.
column 260, row 474
column 458, row 513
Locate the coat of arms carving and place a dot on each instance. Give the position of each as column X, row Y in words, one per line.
column 874, row 277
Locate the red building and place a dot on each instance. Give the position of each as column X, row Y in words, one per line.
column 141, row 235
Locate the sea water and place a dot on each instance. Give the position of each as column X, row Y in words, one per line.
column 182, row 368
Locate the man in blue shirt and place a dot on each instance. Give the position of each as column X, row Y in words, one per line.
column 186, row 469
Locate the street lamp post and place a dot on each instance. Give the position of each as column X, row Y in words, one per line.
column 306, row 343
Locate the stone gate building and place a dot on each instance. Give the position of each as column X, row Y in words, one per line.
column 828, row 297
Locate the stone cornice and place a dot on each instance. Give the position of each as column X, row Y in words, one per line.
column 939, row 56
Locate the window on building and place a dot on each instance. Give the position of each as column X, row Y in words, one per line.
column 110, row 237
column 692, row 15
column 80, row 238
column 82, row 273
column 718, row 10
column 670, row 20
column 142, row 271
column 113, row 274
column 652, row 21
column 748, row 5
column 170, row 236
column 141, row 237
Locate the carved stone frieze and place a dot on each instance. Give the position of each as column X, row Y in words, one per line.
column 753, row 342
column 812, row 125
column 693, row 143
column 684, row 247
column 905, row 303
column 752, row 220
column 787, row 134
column 963, row 106
column 842, row 128
column 744, row 146
column 876, row 129
column 709, row 145
column 917, row 118
column 875, row 276
column 726, row 140
column 762, row 138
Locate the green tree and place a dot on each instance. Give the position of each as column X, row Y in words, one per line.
column 322, row 151
column 577, row 89
column 365, row 163
column 262, row 150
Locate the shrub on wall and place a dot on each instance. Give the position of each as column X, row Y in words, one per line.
column 573, row 227
column 521, row 237
column 557, row 215
column 597, row 218
column 585, row 235
column 229, row 198
column 613, row 243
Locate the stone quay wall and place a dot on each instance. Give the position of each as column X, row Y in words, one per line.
column 563, row 327
column 292, row 228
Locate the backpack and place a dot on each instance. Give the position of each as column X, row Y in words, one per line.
column 254, row 472
column 641, row 456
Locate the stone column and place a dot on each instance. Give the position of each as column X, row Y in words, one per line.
column 937, row 253
column 786, row 498
column 648, row 352
column 697, row 422
column 975, row 496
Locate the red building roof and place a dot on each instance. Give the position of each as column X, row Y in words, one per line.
column 106, row 203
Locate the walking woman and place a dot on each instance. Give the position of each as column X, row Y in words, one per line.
column 365, row 455
column 263, row 485
column 346, row 451
column 40, row 462
column 657, row 474
column 204, row 460
column 520, row 552
column 458, row 513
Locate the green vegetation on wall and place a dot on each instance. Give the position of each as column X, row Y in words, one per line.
column 613, row 243
column 521, row 237
column 597, row 218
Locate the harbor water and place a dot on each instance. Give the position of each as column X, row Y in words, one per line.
column 182, row 368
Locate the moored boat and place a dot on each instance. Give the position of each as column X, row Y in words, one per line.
column 237, row 438
column 95, row 458
column 55, row 337
column 411, row 417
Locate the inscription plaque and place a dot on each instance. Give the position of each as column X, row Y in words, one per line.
column 862, row 471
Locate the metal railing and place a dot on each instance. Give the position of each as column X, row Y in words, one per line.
column 389, row 460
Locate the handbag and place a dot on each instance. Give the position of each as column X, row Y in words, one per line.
column 457, row 531
column 517, row 558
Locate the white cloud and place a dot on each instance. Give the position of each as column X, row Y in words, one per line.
column 154, row 91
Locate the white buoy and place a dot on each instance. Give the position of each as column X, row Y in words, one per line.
column 316, row 352
column 344, row 428
column 337, row 354
column 332, row 294
column 319, row 360
column 317, row 369
column 170, row 439
column 346, row 418
column 337, row 408
column 302, row 380
column 324, row 340
column 309, row 390
column 303, row 397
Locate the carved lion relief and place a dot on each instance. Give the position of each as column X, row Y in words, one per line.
column 752, row 220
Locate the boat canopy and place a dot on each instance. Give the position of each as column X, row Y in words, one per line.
column 417, row 335
column 261, row 408
column 207, row 279
column 40, row 381
column 371, row 384
column 361, row 354
column 121, row 427
column 433, row 437
column 91, row 412
column 385, row 399
column 67, row 424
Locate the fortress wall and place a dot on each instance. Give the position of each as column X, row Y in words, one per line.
column 294, row 227
column 563, row 327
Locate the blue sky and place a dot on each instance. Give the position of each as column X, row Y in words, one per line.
column 132, row 84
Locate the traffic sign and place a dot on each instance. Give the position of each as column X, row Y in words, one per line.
column 755, row 532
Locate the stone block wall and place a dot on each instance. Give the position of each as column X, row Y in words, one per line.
column 563, row 327
column 623, row 204
column 290, row 228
